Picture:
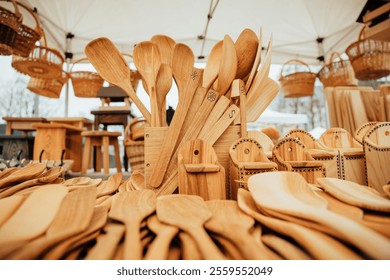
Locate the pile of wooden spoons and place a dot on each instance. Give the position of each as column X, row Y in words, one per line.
column 204, row 103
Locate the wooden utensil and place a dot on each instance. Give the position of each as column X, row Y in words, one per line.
column 110, row 186
column 317, row 244
column 112, row 67
column 32, row 218
column 182, row 68
column 294, row 197
column 106, row 242
column 165, row 45
column 159, row 248
column 227, row 247
column 354, row 194
column 8, row 207
column 189, row 213
column 131, row 208
column 199, row 172
column 147, row 60
column 284, row 248
column 229, row 221
column 28, row 172
column 256, row 62
column 164, row 84
column 189, row 249
column 227, row 67
column 72, row 218
column 246, row 47
column 98, row 220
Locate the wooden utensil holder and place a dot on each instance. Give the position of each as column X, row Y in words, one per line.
column 154, row 137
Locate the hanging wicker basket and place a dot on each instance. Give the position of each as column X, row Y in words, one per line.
column 85, row 83
column 337, row 72
column 9, row 26
column 42, row 62
column 27, row 36
column 48, row 87
column 370, row 58
column 135, row 149
column 297, row 84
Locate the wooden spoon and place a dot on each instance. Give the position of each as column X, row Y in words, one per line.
column 286, row 249
column 229, row 221
column 354, row 194
column 131, row 208
column 110, row 186
column 290, row 194
column 159, row 249
column 165, row 45
column 106, row 242
column 73, row 217
column 182, row 68
column 147, row 60
column 317, row 244
column 33, row 217
column 189, row 213
column 256, row 62
column 189, row 249
column 164, row 84
column 246, row 47
column 137, row 180
column 112, row 67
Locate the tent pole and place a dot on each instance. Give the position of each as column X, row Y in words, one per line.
column 68, row 59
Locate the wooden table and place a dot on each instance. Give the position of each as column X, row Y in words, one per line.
column 54, row 138
column 82, row 123
column 112, row 117
column 23, row 124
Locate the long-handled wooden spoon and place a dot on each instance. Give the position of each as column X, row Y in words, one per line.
column 147, row 59
column 256, row 62
column 246, row 47
column 164, row 84
column 131, row 208
column 111, row 65
column 290, row 194
column 317, row 244
column 189, row 213
column 165, row 44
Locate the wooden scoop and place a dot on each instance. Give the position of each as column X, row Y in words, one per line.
column 164, row 84
column 113, row 68
column 189, row 213
column 246, row 47
column 355, row 194
column 289, row 193
column 159, row 249
column 28, row 172
column 73, row 217
column 229, row 221
column 131, row 208
column 317, row 244
column 147, row 60
column 165, row 45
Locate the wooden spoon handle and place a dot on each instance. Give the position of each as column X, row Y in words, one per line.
column 206, row 246
column 133, row 245
column 159, row 248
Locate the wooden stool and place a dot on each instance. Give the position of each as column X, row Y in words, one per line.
column 101, row 139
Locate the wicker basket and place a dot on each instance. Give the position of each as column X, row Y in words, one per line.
column 298, row 84
column 337, row 72
column 135, row 149
column 26, row 36
column 370, row 58
column 85, row 83
column 42, row 62
column 48, row 87
column 137, row 129
column 9, row 26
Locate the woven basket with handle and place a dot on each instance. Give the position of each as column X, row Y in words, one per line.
column 42, row 62
column 337, row 72
column 48, row 87
column 85, row 83
column 27, row 36
column 9, row 26
column 370, row 58
column 297, row 84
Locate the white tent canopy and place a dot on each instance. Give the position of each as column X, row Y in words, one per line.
column 295, row 24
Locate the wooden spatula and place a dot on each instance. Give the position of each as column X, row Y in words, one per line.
column 28, row 172
column 111, row 65
column 286, row 249
column 131, row 208
column 189, row 213
column 8, row 207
